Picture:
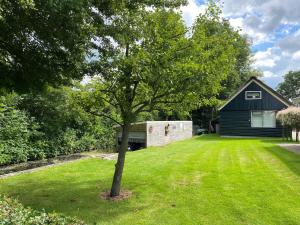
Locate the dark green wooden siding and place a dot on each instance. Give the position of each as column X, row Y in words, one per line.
column 235, row 117
column 238, row 123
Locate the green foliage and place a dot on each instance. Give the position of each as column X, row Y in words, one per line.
column 290, row 118
column 154, row 65
column 12, row 212
column 38, row 126
column 46, row 42
column 14, row 131
column 290, row 87
column 42, row 42
column 66, row 126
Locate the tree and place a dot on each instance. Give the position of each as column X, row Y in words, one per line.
column 290, row 87
column 42, row 42
column 290, row 119
column 152, row 64
column 241, row 72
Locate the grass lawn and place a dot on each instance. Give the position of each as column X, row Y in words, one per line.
column 207, row 180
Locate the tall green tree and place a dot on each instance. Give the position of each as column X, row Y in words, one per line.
column 45, row 42
column 240, row 73
column 153, row 64
column 42, row 42
column 290, row 87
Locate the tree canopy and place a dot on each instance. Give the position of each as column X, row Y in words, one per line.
column 290, row 87
column 151, row 61
column 46, row 42
column 42, row 42
column 290, row 118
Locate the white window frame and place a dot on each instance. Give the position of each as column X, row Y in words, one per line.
column 246, row 92
column 262, row 118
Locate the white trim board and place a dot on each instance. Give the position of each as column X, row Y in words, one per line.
column 246, row 85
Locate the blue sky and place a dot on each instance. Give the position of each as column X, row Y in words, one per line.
column 272, row 26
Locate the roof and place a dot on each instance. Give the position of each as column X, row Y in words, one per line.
column 262, row 85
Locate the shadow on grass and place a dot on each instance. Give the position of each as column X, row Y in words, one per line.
column 71, row 196
column 217, row 137
column 290, row 159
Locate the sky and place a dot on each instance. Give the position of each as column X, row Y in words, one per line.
column 272, row 26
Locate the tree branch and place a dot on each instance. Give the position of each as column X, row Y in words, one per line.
column 104, row 115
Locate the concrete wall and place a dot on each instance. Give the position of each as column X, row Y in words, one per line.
column 157, row 133
column 163, row 132
column 137, row 133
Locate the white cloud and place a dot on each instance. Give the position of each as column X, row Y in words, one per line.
column 265, row 59
column 237, row 23
column 191, row 11
column 269, row 74
column 269, row 24
column 296, row 55
column 291, row 43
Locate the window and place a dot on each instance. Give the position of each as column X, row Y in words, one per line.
column 250, row 95
column 266, row 119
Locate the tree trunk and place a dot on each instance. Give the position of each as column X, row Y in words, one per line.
column 297, row 135
column 116, row 185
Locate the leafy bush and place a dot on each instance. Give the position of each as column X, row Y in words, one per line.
column 66, row 126
column 14, row 132
column 14, row 213
column 290, row 118
column 45, row 125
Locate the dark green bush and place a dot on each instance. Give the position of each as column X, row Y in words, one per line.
column 67, row 128
column 14, row 213
column 14, row 131
column 48, row 124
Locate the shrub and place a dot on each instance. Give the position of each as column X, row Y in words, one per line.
column 44, row 125
column 14, row 213
column 20, row 139
column 14, row 133
column 290, row 118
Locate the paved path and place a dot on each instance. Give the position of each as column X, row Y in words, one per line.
column 291, row 147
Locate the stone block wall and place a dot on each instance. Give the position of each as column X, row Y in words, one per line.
column 163, row 132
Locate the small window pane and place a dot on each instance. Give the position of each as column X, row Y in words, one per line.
column 253, row 95
column 257, row 119
column 269, row 119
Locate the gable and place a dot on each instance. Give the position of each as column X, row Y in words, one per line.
column 269, row 99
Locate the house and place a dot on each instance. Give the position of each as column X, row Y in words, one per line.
column 251, row 111
column 156, row 133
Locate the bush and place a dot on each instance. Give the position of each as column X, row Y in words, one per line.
column 14, row 213
column 290, row 119
column 14, row 132
column 49, row 124
column 66, row 126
